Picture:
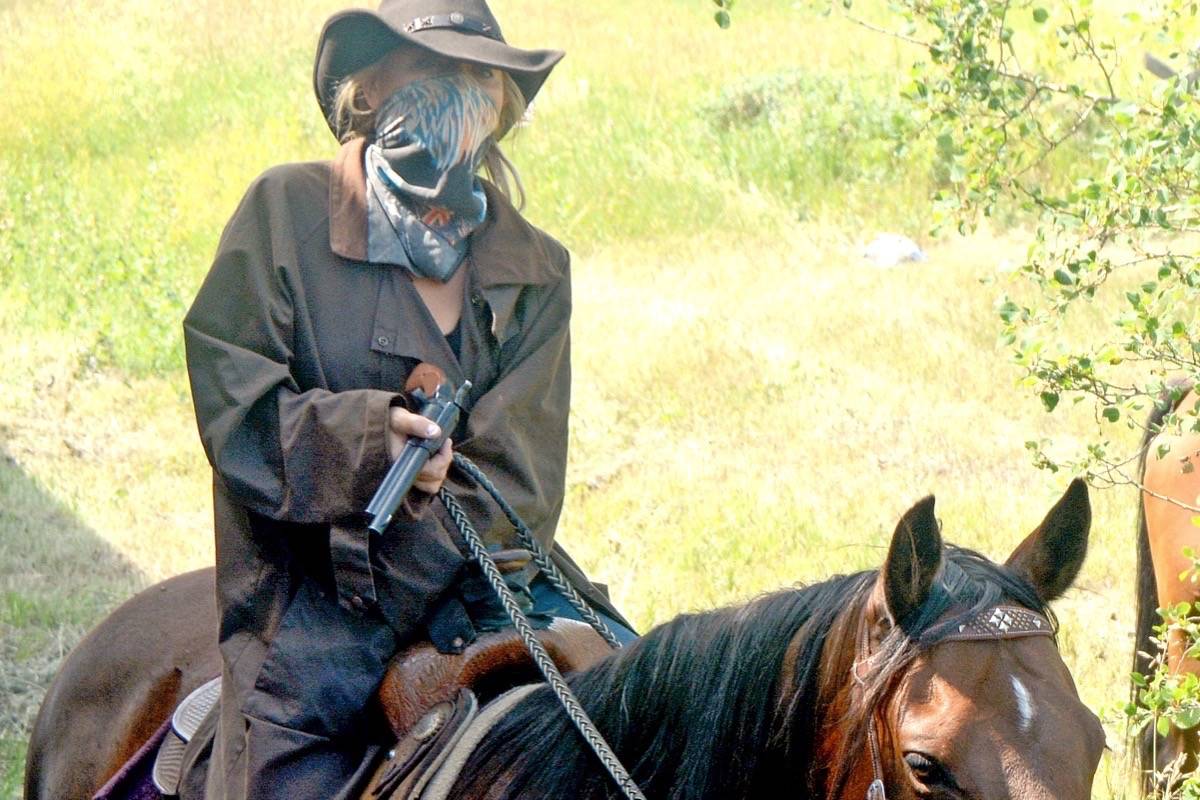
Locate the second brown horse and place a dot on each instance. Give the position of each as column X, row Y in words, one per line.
column 1170, row 476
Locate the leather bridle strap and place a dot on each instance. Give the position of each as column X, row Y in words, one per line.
column 876, row 790
column 990, row 624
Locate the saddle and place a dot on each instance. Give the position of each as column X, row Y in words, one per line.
column 421, row 677
column 437, row 705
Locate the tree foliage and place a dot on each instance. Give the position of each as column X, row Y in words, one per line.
column 1044, row 116
column 1038, row 111
column 1036, row 108
column 1164, row 698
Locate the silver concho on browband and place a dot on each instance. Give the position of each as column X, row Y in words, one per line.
column 997, row 622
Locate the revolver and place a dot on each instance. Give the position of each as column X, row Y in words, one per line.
column 443, row 406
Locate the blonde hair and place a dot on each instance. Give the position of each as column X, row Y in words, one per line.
column 353, row 118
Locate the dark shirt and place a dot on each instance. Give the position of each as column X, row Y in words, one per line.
column 454, row 339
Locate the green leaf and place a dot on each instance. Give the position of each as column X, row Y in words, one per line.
column 1064, row 277
column 1040, row 15
column 1112, row 413
column 1050, row 400
column 1125, row 113
column 1163, row 726
column 1187, row 717
column 722, row 18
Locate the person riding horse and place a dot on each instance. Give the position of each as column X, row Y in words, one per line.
column 331, row 284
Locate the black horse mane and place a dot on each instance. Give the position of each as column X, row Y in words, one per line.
column 695, row 708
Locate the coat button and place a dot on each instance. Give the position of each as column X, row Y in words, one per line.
column 358, row 603
column 383, row 341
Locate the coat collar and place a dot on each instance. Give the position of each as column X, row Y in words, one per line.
column 505, row 249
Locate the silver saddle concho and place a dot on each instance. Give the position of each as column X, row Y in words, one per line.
column 168, row 763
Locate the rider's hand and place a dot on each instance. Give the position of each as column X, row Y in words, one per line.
column 403, row 424
column 431, row 477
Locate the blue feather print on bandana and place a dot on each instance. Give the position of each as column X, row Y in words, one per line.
column 450, row 116
column 430, row 137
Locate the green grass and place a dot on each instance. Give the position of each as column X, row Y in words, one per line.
column 754, row 406
column 56, row 576
column 116, row 189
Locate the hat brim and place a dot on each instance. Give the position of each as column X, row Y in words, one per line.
column 357, row 38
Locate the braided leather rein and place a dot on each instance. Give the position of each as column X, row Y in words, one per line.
column 579, row 718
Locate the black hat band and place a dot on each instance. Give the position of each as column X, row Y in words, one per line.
column 455, row 20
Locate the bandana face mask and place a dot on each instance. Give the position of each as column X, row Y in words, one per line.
column 430, row 137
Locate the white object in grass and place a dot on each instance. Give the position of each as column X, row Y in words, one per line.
column 891, row 249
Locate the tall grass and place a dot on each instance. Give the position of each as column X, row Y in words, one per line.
column 753, row 405
column 116, row 184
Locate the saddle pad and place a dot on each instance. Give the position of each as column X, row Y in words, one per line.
column 452, row 763
column 428, row 760
column 168, row 764
column 413, row 758
column 133, row 781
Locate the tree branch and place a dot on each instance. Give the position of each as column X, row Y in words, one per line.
column 1032, row 80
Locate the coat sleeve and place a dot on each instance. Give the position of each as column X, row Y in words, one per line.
column 306, row 456
column 517, row 431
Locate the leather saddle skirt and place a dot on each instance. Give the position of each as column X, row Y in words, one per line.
column 430, row 699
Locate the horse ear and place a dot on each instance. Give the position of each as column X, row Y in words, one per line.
column 912, row 562
column 1051, row 556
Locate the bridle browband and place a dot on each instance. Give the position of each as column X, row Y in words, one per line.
column 994, row 623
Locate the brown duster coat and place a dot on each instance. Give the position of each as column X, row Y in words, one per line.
column 296, row 349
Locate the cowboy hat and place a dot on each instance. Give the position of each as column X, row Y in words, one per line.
column 464, row 30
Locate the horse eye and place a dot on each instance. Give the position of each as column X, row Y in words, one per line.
column 927, row 770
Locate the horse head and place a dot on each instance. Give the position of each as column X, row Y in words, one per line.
column 958, row 687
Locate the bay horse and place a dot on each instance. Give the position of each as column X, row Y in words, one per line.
column 915, row 679
column 1168, row 471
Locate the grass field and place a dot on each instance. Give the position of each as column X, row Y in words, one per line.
column 754, row 404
